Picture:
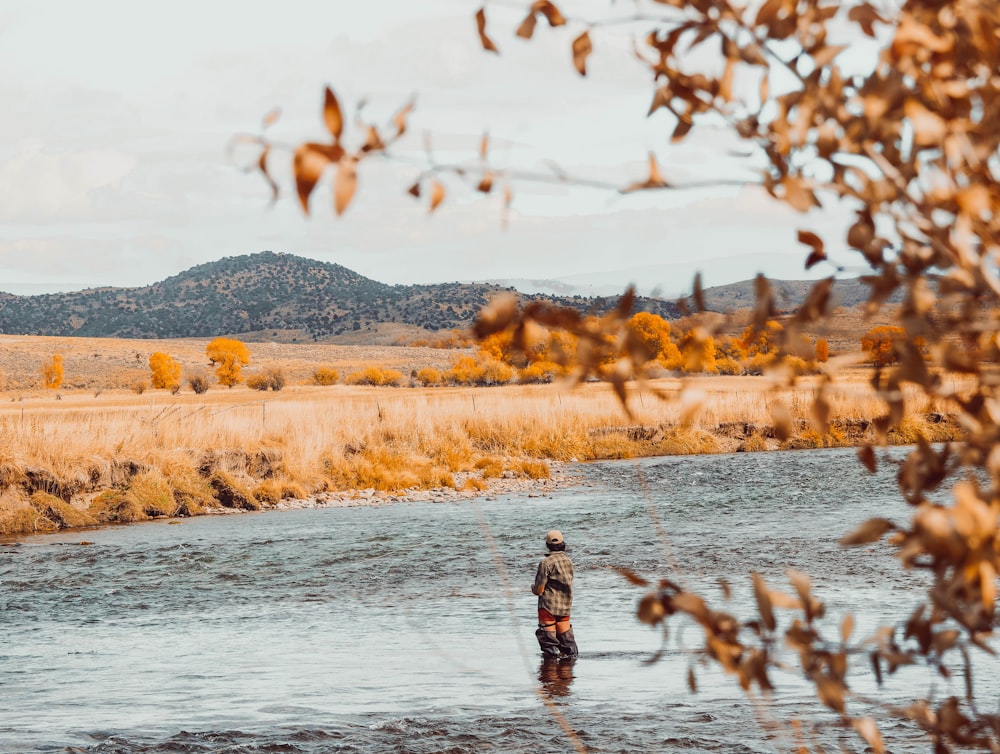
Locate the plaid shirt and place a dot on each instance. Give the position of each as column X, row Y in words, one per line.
column 555, row 575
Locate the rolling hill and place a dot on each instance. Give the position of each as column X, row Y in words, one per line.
column 269, row 296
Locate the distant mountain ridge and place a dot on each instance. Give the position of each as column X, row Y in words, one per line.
column 268, row 295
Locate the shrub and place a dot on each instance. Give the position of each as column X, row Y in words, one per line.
column 325, row 376
column 139, row 387
column 430, row 376
column 728, row 365
column 539, row 371
column 52, row 372
column 374, row 376
column 469, row 371
column 199, row 382
column 496, row 373
column 271, row 379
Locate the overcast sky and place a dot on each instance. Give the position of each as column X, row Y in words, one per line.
column 113, row 166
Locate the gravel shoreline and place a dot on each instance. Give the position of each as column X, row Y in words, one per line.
column 561, row 477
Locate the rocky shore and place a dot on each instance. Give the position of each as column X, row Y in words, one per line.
column 561, row 477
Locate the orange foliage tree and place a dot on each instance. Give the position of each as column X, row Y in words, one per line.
column 879, row 344
column 165, row 370
column 654, row 332
column 822, row 350
column 52, row 372
column 228, row 356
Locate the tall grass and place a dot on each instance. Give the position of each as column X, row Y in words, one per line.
column 122, row 457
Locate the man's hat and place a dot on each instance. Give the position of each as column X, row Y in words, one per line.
column 554, row 537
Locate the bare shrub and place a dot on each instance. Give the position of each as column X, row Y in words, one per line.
column 199, row 382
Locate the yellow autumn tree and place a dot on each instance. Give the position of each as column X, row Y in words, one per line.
column 166, row 371
column 52, row 372
column 654, row 331
column 822, row 350
column 228, row 356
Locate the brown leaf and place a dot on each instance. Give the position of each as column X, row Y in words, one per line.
column 868, row 730
column 727, row 590
column 484, row 146
column 782, row 420
column 437, row 195
column 345, row 183
column 481, row 25
column 698, row 294
column 508, row 198
column 550, row 11
column 684, row 125
column 527, row 27
column 496, row 315
column 826, row 55
column 692, row 680
column 764, row 607
column 798, row 193
column 651, row 610
column 870, row 531
column 399, row 119
column 802, row 584
column 726, row 82
column 332, row 116
column 271, row 117
column 485, row 183
column 632, row 576
column 846, row 628
column 865, row 16
column 691, row 604
column 866, row 454
column 929, row 128
column 308, row 165
column 785, row 601
column 262, row 166
column 581, row 50
column 816, row 243
column 414, row 190
column 820, row 413
column 373, row 142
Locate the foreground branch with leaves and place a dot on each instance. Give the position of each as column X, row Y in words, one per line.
column 910, row 145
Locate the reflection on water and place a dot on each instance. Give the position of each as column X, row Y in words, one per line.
column 388, row 629
column 556, row 675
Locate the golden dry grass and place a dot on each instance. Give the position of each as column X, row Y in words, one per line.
column 115, row 456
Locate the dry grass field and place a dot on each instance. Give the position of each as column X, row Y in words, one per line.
column 113, row 363
column 95, row 453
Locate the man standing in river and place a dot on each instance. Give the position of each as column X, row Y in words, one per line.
column 554, row 587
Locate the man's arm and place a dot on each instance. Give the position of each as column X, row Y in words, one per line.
column 540, row 578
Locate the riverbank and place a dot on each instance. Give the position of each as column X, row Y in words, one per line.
column 79, row 459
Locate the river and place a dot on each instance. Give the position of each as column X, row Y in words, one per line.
column 409, row 628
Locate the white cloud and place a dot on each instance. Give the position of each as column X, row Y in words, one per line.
column 38, row 185
column 113, row 170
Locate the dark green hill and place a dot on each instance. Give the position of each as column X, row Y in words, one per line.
column 266, row 296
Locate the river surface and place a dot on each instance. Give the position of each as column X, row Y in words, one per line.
column 410, row 627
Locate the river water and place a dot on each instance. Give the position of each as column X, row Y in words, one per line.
column 409, row 628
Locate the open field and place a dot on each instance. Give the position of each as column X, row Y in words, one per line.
column 88, row 455
column 110, row 363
